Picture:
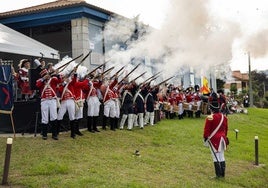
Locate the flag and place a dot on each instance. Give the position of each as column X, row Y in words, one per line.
column 6, row 89
column 205, row 89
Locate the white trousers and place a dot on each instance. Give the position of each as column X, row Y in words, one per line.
column 48, row 110
column 117, row 108
column 93, row 104
column 67, row 105
column 109, row 109
column 149, row 118
column 218, row 156
column 79, row 113
column 180, row 112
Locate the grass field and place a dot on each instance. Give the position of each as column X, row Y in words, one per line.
column 172, row 154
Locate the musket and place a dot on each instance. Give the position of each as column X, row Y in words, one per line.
column 152, row 77
column 164, row 81
column 97, row 68
column 138, row 77
column 148, row 80
column 118, row 72
column 107, row 71
column 65, row 64
column 129, row 73
column 84, row 58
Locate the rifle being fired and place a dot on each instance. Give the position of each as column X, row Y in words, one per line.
column 164, row 81
column 133, row 80
column 97, row 68
column 118, row 72
column 75, row 68
column 129, row 73
column 65, row 65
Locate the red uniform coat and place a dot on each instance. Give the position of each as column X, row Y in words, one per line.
column 90, row 88
column 69, row 92
column 50, row 91
column 179, row 98
column 189, row 98
column 211, row 123
column 108, row 92
column 24, row 81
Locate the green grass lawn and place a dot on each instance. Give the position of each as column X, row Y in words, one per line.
column 172, row 154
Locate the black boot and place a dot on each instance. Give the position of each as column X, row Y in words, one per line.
column 223, row 165
column 72, row 129
column 167, row 114
column 112, row 126
column 104, row 122
column 116, row 120
column 54, row 129
column 95, row 121
column 58, row 126
column 89, row 123
column 197, row 114
column 44, row 131
column 217, row 166
column 77, row 131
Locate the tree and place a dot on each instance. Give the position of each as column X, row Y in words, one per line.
column 259, row 82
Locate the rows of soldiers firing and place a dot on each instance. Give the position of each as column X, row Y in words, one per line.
column 124, row 101
column 135, row 102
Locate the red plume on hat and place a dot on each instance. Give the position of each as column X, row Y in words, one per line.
column 43, row 72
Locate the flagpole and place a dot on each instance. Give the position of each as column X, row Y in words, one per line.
column 250, row 82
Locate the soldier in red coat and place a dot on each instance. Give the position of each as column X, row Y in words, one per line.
column 180, row 99
column 47, row 86
column 67, row 94
column 23, row 83
column 93, row 103
column 190, row 101
column 109, row 96
column 79, row 103
column 215, row 135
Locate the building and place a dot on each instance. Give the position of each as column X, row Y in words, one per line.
column 240, row 82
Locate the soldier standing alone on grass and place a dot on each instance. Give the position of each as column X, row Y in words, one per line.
column 215, row 135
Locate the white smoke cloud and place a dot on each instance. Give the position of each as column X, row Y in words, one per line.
column 190, row 36
column 257, row 44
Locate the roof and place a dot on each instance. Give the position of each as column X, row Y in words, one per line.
column 240, row 76
column 14, row 42
column 59, row 4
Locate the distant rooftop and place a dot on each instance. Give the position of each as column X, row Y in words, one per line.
column 240, row 76
column 59, row 4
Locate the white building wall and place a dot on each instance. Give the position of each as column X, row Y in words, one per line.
column 80, row 38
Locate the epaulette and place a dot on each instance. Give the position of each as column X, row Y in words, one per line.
column 210, row 117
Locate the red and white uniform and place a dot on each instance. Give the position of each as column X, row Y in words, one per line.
column 180, row 99
column 67, row 99
column 197, row 100
column 190, row 100
column 48, row 98
column 117, row 101
column 172, row 101
column 219, row 139
column 24, row 81
column 93, row 101
column 109, row 99
column 79, row 98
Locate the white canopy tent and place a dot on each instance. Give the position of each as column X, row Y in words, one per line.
column 12, row 41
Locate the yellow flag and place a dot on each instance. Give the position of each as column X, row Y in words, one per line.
column 205, row 89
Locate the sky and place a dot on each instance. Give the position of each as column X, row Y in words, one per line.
column 237, row 28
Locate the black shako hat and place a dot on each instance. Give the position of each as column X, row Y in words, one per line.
column 213, row 102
